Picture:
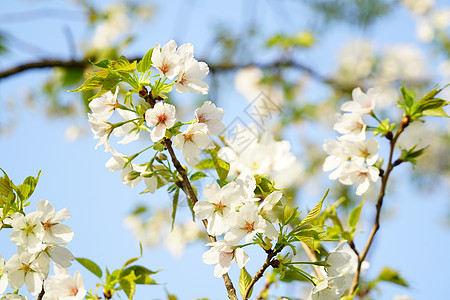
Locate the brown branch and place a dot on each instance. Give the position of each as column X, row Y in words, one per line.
column 221, row 67
column 190, row 194
column 41, row 294
column 269, row 262
column 43, row 64
column 362, row 256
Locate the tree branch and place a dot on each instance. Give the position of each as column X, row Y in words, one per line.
column 362, row 256
column 190, row 194
column 269, row 262
column 221, row 67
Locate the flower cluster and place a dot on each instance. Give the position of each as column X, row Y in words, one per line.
column 40, row 237
column 352, row 157
column 234, row 211
column 338, row 276
column 250, row 152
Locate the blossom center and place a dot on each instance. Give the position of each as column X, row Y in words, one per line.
column 164, row 68
column 249, row 226
column 183, row 79
column 162, row 118
column 188, row 136
column 218, row 207
column 47, row 225
column 73, row 291
column 201, row 118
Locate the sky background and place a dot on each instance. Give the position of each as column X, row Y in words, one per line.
column 413, row 240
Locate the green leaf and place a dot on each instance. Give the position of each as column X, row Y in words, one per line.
column 435, row 112
column 6, row 186
column 90, row 265
column 197, row 175
column 175, row 205
column 146, row 62
column 383, row 128
column 109, row 84
column 205, row 164
column 390, row 275
column 221, row 166
column 103, row 64
column 289, row 214
column 90, row 83
column 411, row 155
column 128, row 286
column 244, row 281
column 408, row 97
column 140, row 273
column 314, row 213
column 354, row 215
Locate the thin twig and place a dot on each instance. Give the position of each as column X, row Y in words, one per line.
column 262, row 294
column 376, row 225
column 190, row 194
column 269, row 262
column 312, row 257
column 41, row 294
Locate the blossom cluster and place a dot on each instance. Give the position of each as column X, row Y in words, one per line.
column 260, row 154
column 40, row 237
column 351, row 156
column 235, row 212
column 338, row 275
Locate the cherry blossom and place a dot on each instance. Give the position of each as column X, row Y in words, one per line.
column 29, row 269
column 3, row 276
column 103, row 107
column 189, row 78
column 162, row 116
column 211, row 115
column 362, row 103
column 62, row 286
column 221, row 254
column 194, row 138
column 28, row 231
column 54, row 231
column 166, row 60
column 218, row 206
column 351, row 126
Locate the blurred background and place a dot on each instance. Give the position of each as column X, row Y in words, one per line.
column 306, row 56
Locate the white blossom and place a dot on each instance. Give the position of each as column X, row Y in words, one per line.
column 28, row 231
column 362, row 151
column 62, row 286
column 189, row 78
column 194, row 138
column 60, row 255
column 129, row 130
column 362, row 103
column 103, row 107
column 162, row 116
column 361, row 175
column 3, row 276
column 166, row 60
column 351, row 126
column 101, row 130
column 211, row 115
column 218, row 206
column 245, row 223
column 54, row 231
column 221, row 254
column 29, row 269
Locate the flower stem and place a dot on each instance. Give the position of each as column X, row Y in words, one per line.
column 190, row 194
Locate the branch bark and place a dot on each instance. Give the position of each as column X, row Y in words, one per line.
column 190, row 194
column 362, row 256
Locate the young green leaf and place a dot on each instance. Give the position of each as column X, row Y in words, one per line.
column 197, row 175
column 90, row 83
column 314, row 213
column 354, row 216
column 90, row 265
column 175, row 205
column 146, row 62
column 390, row 275
column 244, row 281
